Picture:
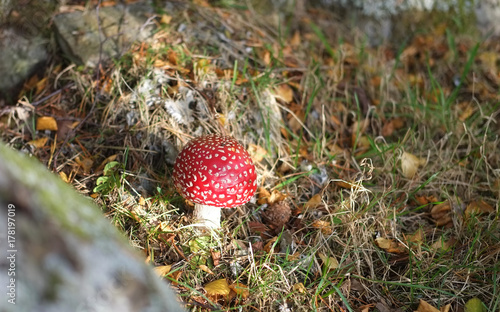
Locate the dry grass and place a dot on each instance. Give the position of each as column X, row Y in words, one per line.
column 353, row 113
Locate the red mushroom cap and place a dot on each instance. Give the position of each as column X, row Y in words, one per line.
column 215, row 170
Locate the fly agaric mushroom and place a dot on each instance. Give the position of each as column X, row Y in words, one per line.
column 214, row 172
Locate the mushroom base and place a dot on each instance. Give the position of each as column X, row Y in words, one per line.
column 207, row 216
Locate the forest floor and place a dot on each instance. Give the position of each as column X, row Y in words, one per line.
column 379, row 167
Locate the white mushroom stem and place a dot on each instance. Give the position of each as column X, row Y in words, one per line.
column 207, row 216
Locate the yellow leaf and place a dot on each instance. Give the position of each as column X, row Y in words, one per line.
column 38, row 142
column 163, row 270
column 46, row 123
column 390, row 245
column 86, row 163
column 165, row 19
column 217, row 288
column 240, row 289
column 475, row 305
column 64, row 177
column 442, row 245
column 205, row 269
column 299, row 287
column 410, row 164
column 330, row 262
column 257, row 153
column 314, row 202
column 284, row 92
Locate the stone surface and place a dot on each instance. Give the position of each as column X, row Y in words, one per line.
column 20, row 57
column 80, row 34
column 63, row 253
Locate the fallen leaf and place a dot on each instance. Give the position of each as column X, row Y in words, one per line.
column 163, row 270
column 347, row 185
column 299, row 287
column 270, row 244
column 441, row 213
column 314, row 202
column 442, row 245
column 323, row 226
column 331, row 263
column 64, row 177
column 426, row 307
column 257, row 152
column 475, row 305
column 284, row 92
column 217, row 288
column 86, row 163
column 295, row 41
column 240, row 290
column 394, row 124
column 165, row 19
column 478, row 207
column 106, row 161
column 262, row 195
column 206, row 269
column 46, row 123
column 257, row 227
column 276, row 196
column 215, row 257
column 410, row 164
column 38, row 143
column 390, row 245
column 417, row 237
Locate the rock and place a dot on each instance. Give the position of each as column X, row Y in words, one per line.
column 80, row 33
column 61, row 254
column 20, row 57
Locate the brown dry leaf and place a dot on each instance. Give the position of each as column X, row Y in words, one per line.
column 424, row 200
column 331, row 263
column 269, row 244
column 240, row 290
column 323, row 226
column 217, row 288
column 215, row 257
column 162, row 270
column 284, row 92
column 314, row 202
column 257, row 153
column 390, row 245
column 347, row 185
column 276, row 196
column 296, row 120
column 394, row 124
column 442, row 245
column 262, row 195
column 296, row 40
column 257, row 227
column 441, row 213
column 466, row 110
column 410, row 164
column 206, row 269
column 426, row 307
column 478, row 207
column 165, row 19
column 299, row 287
column 175, row 276
column 417, row 237
column 105, row 161
column 38, row 143
column 266, row 58
column 86, row 163
column 46, row 123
